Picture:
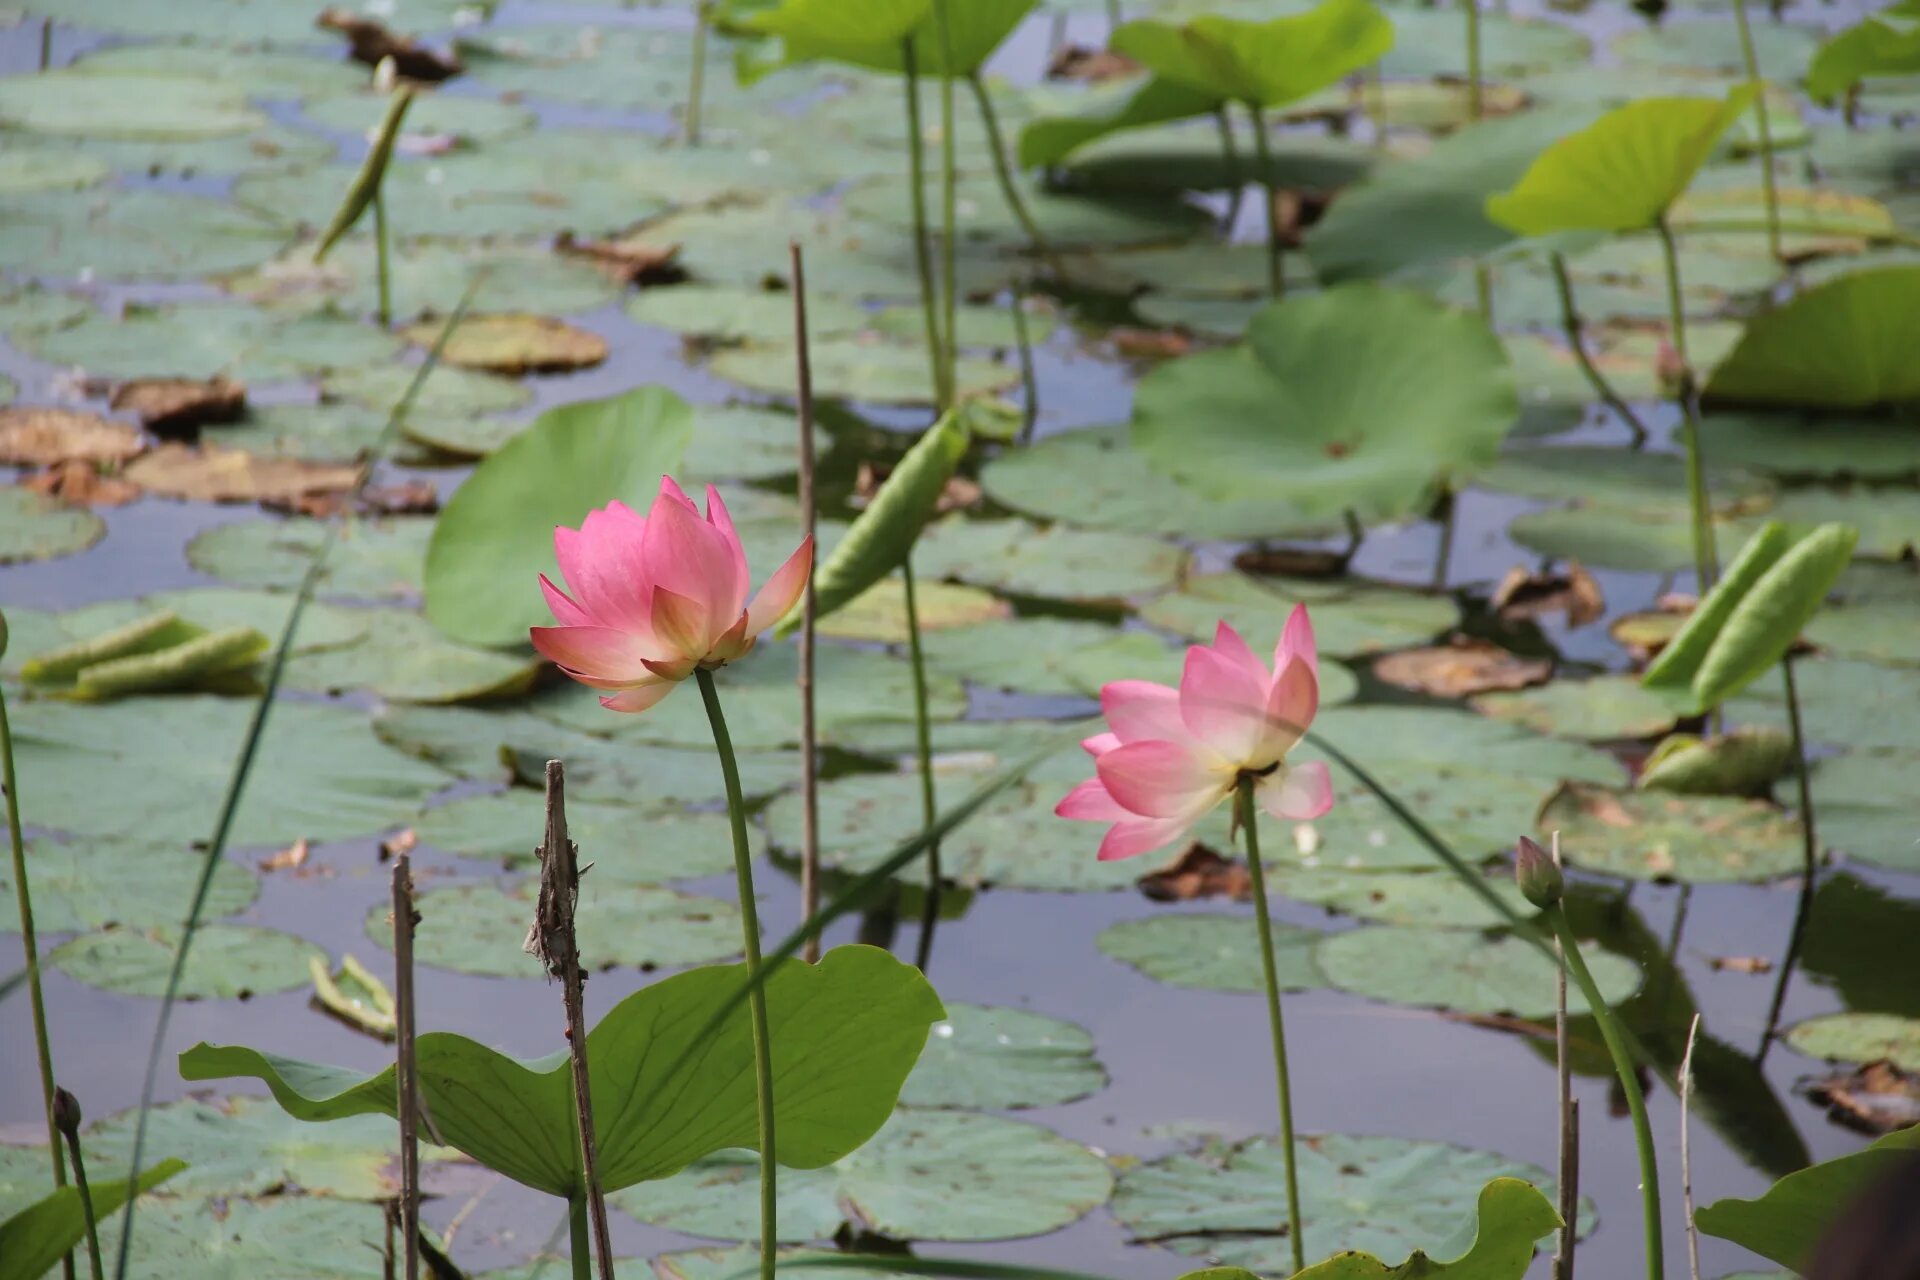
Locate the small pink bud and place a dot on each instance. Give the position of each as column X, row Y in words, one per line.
column 1539, row 879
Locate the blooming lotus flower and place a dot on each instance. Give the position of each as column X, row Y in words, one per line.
column 1171, row 755
column 657, row 596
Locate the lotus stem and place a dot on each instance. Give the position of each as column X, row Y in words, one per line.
column 1029, row 376
column 46, row 61
column 1248, row 818
column 1236, row 175
column 67, row 1117
column 1483, row 292
column 1623, row 1066
column 949, row 203
column 1263, row 154
column 697, row 73
column 382, row 269
column 1809, row 861
column 923, row 753
column 1706, row 560
column 1569, row 1111
column 1443, row 554
column 809, row 614
column 1003, row 167
column 406, row 1076
column 1571, row 323
column 1475, row 97
column 1761, row 118
column 578, row 1250
column 922, row 258
column 1686, row 1154
column 757, row 1001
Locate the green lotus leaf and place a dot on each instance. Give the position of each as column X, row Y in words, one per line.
column 36, row 527
column 1842, row 344
column 1212, row 952
column 1741, row 762
column 1497, row 1245
column 1790, row 1218
column 1859, row 1037
column 372, row 560
column 1659, row 835
column 227, row 961
column 1266, row 64
column 988, row 1058
column 33, row 1240
column 1885, row 44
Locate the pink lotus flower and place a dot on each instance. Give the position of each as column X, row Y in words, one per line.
column 1172, row 754
column 656, row 596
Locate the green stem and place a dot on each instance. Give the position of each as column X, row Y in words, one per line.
column 1443, row 557
column 1576, row 340
column 1706, row 560
column 382, row 266
column 1230, row 154
column 923, row 749
column 697, row 74
column 757, row 1004
column 86, row 1203
column 577, row 1246
column 1623, row 1067
column 1248, row 815
column 1809, row 838
column 1483, row 291
column 1003, row 167
column 1113, row 13
column 1475, row 97
column 1276, row 280
column 949, row 201
column 1029, row 376
column 1761, row 118
column 29, row 942
column 922, row 261
column 1373, row 95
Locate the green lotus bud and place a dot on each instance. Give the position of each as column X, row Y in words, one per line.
column 1540, row 880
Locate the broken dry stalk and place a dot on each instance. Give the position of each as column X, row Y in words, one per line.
column 1686, row 1159
column 809, row 730
column 552, row 941
column 406, row 1079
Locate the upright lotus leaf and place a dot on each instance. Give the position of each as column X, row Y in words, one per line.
column 1498, row 1245
column 1847, row 343
column 880, row 540
column 1623, row 171
column 1264, row 64
column 845, row 1034
column 870, row 33
column 366, row 183
column 1050, row 140
column 1754, row 614
column 495, row 535
column 1360, row 399
column 1885, row 44
column 33, row 1240
column 1787, row 1221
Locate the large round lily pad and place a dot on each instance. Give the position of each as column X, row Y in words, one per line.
column 1859, row 705
column 1063, row 657
column 1600, row 708
column 467, row 117
column 73, row 104
column 254, row 73
column 1435, row 899
column 721, row 313
column 479, row 928
column 401, row 657
column 36, row 527
column 227, row 961
column 92, row 884
column 879, row 613
column 199, row 340
column 1860, row 1037
column 1021, row 558
column 430, row 277
column 989, row 1058
column 1212, row 952
column 372, row 560
column 624, row 845
column 1461, row 971
column 1658, row 835
column 861, row 369
column 1861, row 807
column 143, row 233
column 1349, row 616
column 925, row 1176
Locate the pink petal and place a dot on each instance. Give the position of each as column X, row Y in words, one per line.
column 1299, row 794
column 680, row 623
column 1141, row 835
column 1089, row 802
column 734, row 642
column 602, row 653
column 602, row 574
column 1161, row 780
column 775, row 599
column 1224, row 705
column 638, row 698
column 692, row 558
column 1099, row 744
column 670, row 489
column 1140, row 710
column 1228, row 644
column 1291, row 705
column 1296, row 641
column 565, row 611
column 722, row 520
column 672, row 669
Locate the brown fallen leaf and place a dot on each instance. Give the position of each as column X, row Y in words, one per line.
column 42, row 437
column 401, row 841
column 1291, row 562
column 1643, row 634
column 82, row 484
column 1135, row 343
column 412, row 497
column 373, row 44
column 1522, row 595
column 960, row 492
column 291, row 858
column 209, row 473
column 173, row 406
column 1878, row 1098
column 627, row 261
column 1740, row 964
column 1463, row 667
column 1198, row 873
column 513, row 342
column 1089, row 65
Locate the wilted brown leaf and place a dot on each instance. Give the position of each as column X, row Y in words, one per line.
column 372, row 44
column 1088, row 65
column 401, row 841
column 208, row 473
column 1291, row 562
column 1523, row 595
column 412, row 497
column 1149, row 344
column 1878, row 1098
column 293, row 857
column 41, row 437
column 82, row 484
column 1197, row 873
column 628, row 261
column 1461, row 668
column 175, row 405
column 1740, row 964
column 513, row 343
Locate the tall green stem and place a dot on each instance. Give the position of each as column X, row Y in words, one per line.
column 922, row 260
column 923, row 751
column 697, row 73
column 1767, row 183
column 86, row 1199
column 1623, row 1067
column 949, row 201
column 757, row 1004
column 1576, row 340
column 1263, row 153
column 1809, row 838
column 382, row 265
column 1706, row 559
column 1230, row 156
column 1003, row 167
column 30, row 944
column 578, row 1248
column 1249, row 821
column 1475, row 95
column 1029, row 376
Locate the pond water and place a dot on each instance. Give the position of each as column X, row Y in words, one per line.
column 1184, row 1065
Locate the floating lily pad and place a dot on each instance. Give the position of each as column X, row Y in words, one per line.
column 1809, row 447
column 1860, row 1037
column 719, row 1264
column 430, row 277
column 1021, row 558
column 1459, row 970
column 1434, row 899
column 729, row 314
column 1599, row 708
column 227, row 961
column 625, row 846
column 1426, row 43
column 857, row 369
column 1860, row 807
column 36, row 527
column 319, row 774
column 1782, row 51
column 144, row 233
column 33, row 309
column 988, row 1058
column 1852, row 704
column 925, row 1176
column 1066, row 220
column 240, row 22
column 1877, row 616
column 479, row 928
column 1349, row 617
column 1212, row 952
column 1386, row 1196
column 315, row 433
column 741, row 442
column 977, row 328
column 93, row 884
column 402, row 657
column 513, row 343
column 51, row 168
column 372, row 560
column 295, row 1237
column 1886, row 516
column 1656, row 835
column 441, row 115
column 1047, row 655
column 199, row 340
column 254, row 73
column 72, row 104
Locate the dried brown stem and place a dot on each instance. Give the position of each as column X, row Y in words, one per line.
column 552, row 941
column 1569, row 1118
column 809, row 732
column 406, row 1077
column 1686, row 1158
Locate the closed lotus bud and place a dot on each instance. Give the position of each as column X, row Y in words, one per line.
column 66, row 1112
column 1539, row 879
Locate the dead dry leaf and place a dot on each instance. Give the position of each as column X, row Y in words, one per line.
column 179, row 405
column 291, row 858
column 627, row 261
column 412, row 497
column 1089, row 65
column 373, row 44
column 1291, row 562
column 209, row 473
column 43, row 437
column 401, row 841
column 1878, row 1098
column 1461, row 668
column 1197, row 874
column 1135, row 343
column 1740, row 964
column 513, row 343
column 82, row 484
column 1522, row 595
